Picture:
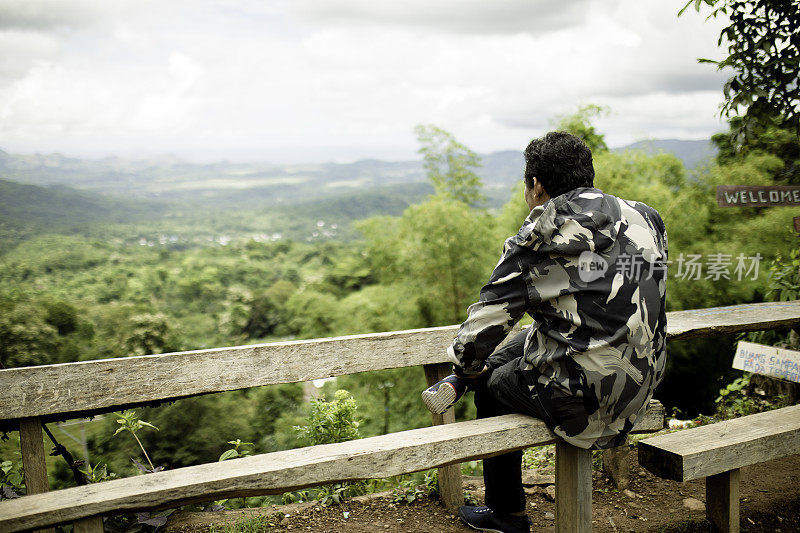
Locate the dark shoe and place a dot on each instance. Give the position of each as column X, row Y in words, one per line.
column 441, row 396
column 484, row 519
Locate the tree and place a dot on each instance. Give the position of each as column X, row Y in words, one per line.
column 440, row 251
column 26, row 339
column 147, row 333
column 579, row 124
column 768, row 138
column 763, row 41
column 450, row 165
column 313, row 313
column 267, row 311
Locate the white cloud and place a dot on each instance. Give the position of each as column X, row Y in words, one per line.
column 245, row 79
column 23, row 50
column 459, row 16
column 46, row 14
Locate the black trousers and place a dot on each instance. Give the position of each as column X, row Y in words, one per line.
column 504, row 390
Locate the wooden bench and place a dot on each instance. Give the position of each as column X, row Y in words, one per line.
column 36, row 395
column 279, row 472
column 716, row 452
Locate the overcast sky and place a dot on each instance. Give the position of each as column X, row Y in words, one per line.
column 316, row 80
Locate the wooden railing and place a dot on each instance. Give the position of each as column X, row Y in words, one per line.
column 35, row 395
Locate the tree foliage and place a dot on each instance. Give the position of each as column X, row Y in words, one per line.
column 763, row 44
column 450, row 165
column 768, row 138
column 331, row 421
column 580, row 124
column 440, row 251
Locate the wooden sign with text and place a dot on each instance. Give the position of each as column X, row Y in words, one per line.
column 767, row 360
column 757, row 195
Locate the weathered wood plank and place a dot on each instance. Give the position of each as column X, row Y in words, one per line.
column 732, row 319
column 573, row 489
column 90, row 387
column 722, row 501
column 450, row 483
column 707, row 450
column 106, row 384
column 275, row 473
column 31, row 445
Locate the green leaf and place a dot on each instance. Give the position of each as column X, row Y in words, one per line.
column 228, row 454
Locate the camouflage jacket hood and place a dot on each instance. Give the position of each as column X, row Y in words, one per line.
column 590, row 269
column 570, row 224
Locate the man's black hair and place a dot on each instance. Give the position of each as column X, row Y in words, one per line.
column 559, row 160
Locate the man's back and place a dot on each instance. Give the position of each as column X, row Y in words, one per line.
column 596, row 283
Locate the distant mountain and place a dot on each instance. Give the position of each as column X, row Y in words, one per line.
column 60, row 208
column 692, row 153
column 240, row 186
column 190, row 203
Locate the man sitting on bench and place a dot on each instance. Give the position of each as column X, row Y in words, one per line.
column 590, row 269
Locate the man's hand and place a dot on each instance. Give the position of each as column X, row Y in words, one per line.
column 458, row 371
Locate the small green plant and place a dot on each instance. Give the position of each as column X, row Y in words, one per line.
column 783, row 281
column 431, row 481
column 12, row 483
column 469, row 499
column 298, row 496
column 331, row 421
column 738, row 399
column 409, row 489
column 237, row 450
column 734, row 401
column 249, row 524
column 539, row 457
column 597, row 460
column 97, row 473
column 129, row 421
column 333, row 494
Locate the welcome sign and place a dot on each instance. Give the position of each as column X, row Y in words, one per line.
column 757, row 195
column 768, row 360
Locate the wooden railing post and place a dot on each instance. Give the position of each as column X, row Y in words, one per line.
column 722, row 500
column 573, row 489
column 31, row 444
column 450, row 487
column 93, row 524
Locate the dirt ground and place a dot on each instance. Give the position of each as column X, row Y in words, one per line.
column 770, row 502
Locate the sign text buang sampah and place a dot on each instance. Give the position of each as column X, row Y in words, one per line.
column 757, row 195
column 767, row 360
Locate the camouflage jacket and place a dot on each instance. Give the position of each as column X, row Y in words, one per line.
column 590, row 269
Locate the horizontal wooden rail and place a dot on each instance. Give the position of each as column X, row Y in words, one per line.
column 279, row 472
column 732, row 319
column 71, row 390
